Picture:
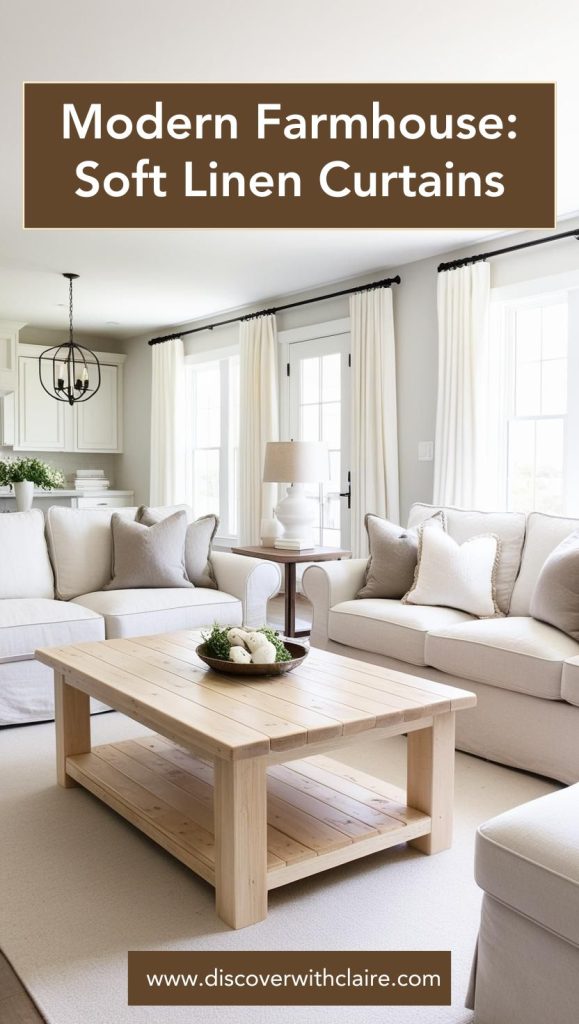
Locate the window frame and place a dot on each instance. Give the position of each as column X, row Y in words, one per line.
column 223, row 357
column 507, row 310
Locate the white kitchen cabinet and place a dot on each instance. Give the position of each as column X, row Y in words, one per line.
column 9, row 355
column 7, row 419
column 98, row 421
column 45, row 424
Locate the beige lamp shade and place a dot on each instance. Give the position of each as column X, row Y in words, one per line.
column 296, row 462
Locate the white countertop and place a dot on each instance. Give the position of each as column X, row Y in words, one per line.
column 5, row 492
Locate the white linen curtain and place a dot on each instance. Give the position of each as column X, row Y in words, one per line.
column 168, row 426
column 258, row 422
column 463, row 307
column 374, row 423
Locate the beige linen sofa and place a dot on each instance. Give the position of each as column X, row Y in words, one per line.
column 525, row 673
column 51, row 580
column 525, row 969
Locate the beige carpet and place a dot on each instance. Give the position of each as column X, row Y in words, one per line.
column 79, row 887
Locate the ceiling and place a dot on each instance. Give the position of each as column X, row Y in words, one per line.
column 138, row 281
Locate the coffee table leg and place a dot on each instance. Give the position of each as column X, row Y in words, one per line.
column 430, row 780
column 241, row 841
column 72, row 721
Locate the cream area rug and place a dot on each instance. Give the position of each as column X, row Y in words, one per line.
column 79, row 887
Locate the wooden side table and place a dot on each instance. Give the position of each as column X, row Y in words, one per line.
column 290, row 559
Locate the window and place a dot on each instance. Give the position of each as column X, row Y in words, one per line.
column 319, row 411
column 538, row 380
column 213, row 403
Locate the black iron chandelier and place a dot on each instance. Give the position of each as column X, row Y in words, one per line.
column 69, row 372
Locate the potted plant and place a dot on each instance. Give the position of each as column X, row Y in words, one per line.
column 24, row 474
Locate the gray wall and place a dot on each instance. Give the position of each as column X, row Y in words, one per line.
column 416, row 349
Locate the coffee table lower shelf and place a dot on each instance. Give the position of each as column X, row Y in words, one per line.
column 321, row 813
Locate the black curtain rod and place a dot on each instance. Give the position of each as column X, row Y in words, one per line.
column 455, row 264
column 384, row 283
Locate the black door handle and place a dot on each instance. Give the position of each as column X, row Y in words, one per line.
column 347, row 494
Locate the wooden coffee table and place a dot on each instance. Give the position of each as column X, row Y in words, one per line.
column 236, row 782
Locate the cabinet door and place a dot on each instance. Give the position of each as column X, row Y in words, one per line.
column 98, row 420
column 42, row 421
column 8, row 365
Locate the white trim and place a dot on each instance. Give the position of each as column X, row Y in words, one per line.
column 212, row 355
column 313, row 331
column 106, row 358
column 536, row 287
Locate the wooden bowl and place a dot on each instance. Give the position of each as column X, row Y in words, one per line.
column 249, row 671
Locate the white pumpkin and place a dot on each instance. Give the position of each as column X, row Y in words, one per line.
column 240, row 656
column 264, row 654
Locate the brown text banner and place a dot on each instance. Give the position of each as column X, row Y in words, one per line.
column 357, row 155
column 288, row 978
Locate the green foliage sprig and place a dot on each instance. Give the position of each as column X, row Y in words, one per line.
column 15, row 471
column 218, row 644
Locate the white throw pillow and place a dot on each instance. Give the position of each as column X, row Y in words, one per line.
column 455, row 575
column 25, row 569
column 80, row 542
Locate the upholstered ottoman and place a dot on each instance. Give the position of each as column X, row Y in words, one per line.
column 526, row 967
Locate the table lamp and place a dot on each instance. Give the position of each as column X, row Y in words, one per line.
column 296, row 463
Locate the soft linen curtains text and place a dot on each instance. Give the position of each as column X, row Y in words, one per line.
column 259, row 422
column 168, row 453
column 374, row 422
column 463, row 306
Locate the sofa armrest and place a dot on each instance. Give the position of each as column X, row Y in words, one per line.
column 328, row 583
column 252, row 580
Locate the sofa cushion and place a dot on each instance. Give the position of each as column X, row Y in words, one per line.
column 556, row 596
column 462, row 524
column 517, row 654
column 149, row 556
column 456, row 575
column 25, row 569
column 570, row 681
column 81, row 548
column 388, row 627
column 198, row 541
column 393, row 557
column 139, row 612
column 544, row 534
column 527, row 859
column 29, row 623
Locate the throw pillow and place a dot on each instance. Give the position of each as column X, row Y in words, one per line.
column 198, row 540
column 555, row 598
column 393, row 557
column 148, row 556
column 455, row 575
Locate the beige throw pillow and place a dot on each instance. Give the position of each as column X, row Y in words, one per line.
column 198, row 540
column 393, row 557
column 555, row 599
column 452, row 575
column 148, row 556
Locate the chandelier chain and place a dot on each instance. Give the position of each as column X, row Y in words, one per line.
column 70, row 310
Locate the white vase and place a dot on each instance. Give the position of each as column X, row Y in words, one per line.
column 24, row 492
column 271, row 529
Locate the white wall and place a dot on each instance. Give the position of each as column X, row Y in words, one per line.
column 416, row 350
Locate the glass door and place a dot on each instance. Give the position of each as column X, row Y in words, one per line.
column 319, row 379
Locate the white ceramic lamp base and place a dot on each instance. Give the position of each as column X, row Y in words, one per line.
column 295, row 515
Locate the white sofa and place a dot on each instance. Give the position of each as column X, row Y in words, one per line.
column 525, row 673
column 525, row 969
column 51, row 594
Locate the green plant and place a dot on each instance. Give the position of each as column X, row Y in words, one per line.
column 15, row 471
column 281, row 651
column 218, row 644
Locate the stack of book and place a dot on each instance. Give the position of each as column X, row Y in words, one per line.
column 292, row 544
column 90, row 480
